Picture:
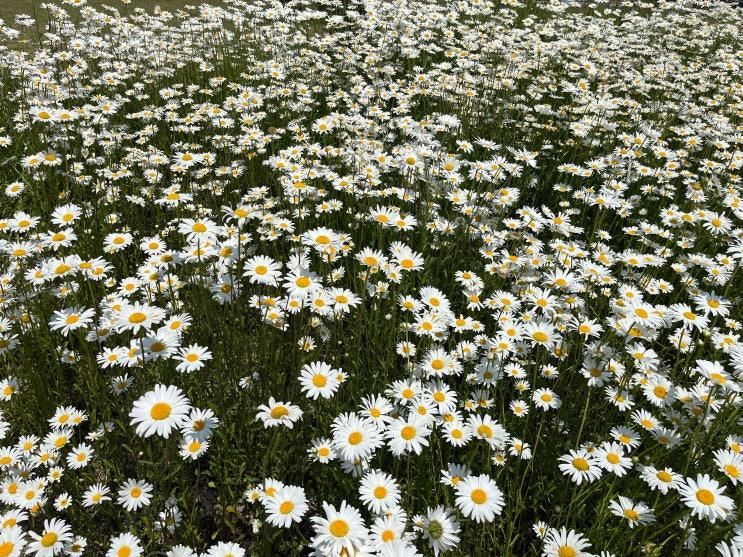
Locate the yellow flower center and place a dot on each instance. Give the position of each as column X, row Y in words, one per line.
column 137, row 317
column 355, row 438
column 631, row 514
column 339, row 528
column 160, row 411
column 49, row 539
column 478, row 496
column 660, row 391
column 279, row 412
column 580, row 464
column 705, row 497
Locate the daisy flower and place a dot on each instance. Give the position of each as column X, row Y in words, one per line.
column 288, row 505
column 705, row 498
column 12, row 541
column 440, row 529
column 660, row 479
column 340, row 529
column 96, row 494
column 636, row 514
column 53, row 537
column 159, row 411
column 134, row 494
column 193, row 448
column 322, row 451
column 318, row 379
column 479, row 498
column 355, row 437
column 124, row 545
column 192, row 358
column 408, row 435
column 579, row 466
column 71, row 319
column 278, row 413
column 565, row 543
column 379, row 491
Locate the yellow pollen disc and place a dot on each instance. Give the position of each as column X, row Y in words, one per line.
column 664, row 476
column 137, row 317
column 407, row 433
column 705, row 497
column 160, row 411
column 279, row 412
column 484, row 431
column 580, row 464
column 631, row 514
column 49, row 539
column 339, row 528
column 355, row 438
column 732, row 471
column 380, row 492
column 478, row 496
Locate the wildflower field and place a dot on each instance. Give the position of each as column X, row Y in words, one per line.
column 373, row 277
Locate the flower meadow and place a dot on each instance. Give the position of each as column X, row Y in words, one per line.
column 377, row 277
